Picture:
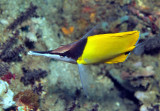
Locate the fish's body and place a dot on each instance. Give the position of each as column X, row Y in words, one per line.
column 102, row 48
column 108, row 48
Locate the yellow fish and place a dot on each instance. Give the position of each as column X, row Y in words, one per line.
column 101, row 48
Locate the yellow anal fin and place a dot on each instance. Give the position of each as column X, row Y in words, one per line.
column 120, row 58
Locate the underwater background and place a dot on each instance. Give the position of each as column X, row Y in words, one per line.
column 30, row 83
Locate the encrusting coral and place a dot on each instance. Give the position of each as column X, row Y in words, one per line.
column 8, row 52
column 30, row 76
column 27, row 100
column 23, row 17
column 4, row 68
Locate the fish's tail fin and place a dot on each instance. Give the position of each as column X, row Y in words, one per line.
column 139, row 49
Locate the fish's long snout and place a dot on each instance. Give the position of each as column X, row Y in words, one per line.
column 33, row 53
column 30, row 53
column 51, row 55
column 36, row 53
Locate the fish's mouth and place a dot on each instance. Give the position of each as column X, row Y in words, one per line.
column 31, row 53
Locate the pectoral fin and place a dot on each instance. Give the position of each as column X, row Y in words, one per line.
column 86, row 79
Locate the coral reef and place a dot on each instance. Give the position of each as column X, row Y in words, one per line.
column 13, row 54
column 29, row 44
column 30, row 76
column 68, row 31
column 95, row 108
column 7, row 77
column 26, row 100
column 23, row 17
column 6, row 95
column 142, row 77
column 8, row 53
column 4, row 68
column 38, row 89
column 148, row 100
column 46, row 24
column 152, row 45
column 7, row 45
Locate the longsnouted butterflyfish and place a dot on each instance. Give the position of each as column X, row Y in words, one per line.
column 91, row 49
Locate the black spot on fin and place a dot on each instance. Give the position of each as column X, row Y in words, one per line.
column 127, row 52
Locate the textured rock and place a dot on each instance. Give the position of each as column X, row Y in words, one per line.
column 6, row 95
